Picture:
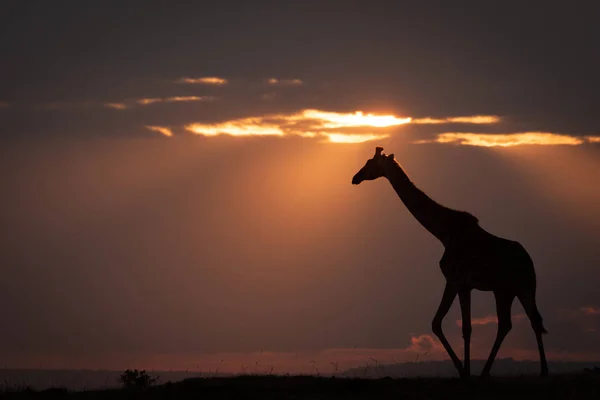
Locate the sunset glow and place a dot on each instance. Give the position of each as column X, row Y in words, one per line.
column 234, row 190
column 504, row 140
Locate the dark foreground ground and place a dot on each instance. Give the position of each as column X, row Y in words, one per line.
column 580, row 386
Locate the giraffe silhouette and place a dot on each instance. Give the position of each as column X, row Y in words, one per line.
column 473, row 259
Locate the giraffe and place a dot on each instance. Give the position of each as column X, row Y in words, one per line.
column 473, row 259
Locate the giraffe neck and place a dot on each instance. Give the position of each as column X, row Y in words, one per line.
column 442, row 222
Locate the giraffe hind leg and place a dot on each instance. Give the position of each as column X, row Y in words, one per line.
column 527, row 299
column 503, row 305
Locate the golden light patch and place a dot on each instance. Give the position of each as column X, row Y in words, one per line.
column 161, row 129
column 504, row 140
column 206, row 80
column 334, row 120
column 353, row 138
column 593, row 139
column 116, row 106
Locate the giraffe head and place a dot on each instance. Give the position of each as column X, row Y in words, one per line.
column 374, row 168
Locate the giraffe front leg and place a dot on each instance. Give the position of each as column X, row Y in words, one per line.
column 450, row 293
column 464, row 296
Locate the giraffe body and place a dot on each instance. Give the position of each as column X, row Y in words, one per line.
column 487, row 263
column 473, row 259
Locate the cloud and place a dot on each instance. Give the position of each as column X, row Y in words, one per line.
column 593, row 139
column 150, row 100
column 489, row 319
column 286, row 82
column 358, row 118
column 116, row 106
column 332, row 127
column 4, row 104
column 590, row 310
column 161, row 129
column 239, row 127
column 424, row 344
column 146, row 101
column 475, row 119
column 206, row 80
column 505, row 139
column 188, row 98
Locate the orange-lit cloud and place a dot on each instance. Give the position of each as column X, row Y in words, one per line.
column 206, row 80
column 504, row 139
column 161, row 129
column 239, row 127
column 333, row 127
column 593, row 139
column 116, row 106
column 474, row 119
column 489, row 319
column 276, row 81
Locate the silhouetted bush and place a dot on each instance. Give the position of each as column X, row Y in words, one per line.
column 134, row 379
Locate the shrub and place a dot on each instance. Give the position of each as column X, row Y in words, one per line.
column 134, row 379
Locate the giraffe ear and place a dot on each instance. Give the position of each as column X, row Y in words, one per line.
column 391, row 156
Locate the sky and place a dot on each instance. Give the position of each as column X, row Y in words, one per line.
column 176, row 181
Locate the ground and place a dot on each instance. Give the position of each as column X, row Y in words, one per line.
column 580, row 386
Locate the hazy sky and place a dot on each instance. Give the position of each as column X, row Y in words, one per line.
column 176, row 179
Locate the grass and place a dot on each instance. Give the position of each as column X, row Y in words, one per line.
column 577, row 386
